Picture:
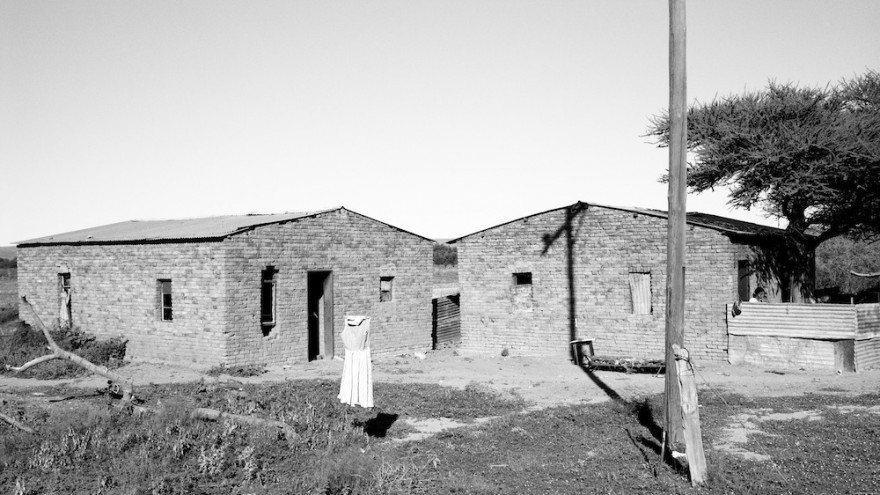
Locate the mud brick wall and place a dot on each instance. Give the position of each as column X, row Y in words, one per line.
column 358, row 251
column 591, row 261
column 114, row 293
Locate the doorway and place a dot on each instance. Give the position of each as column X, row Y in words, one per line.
column 320, row 310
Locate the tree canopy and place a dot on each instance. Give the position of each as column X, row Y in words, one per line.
column 809, row 155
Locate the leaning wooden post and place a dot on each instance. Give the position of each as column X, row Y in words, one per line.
column 690, row 416
column 675, row 230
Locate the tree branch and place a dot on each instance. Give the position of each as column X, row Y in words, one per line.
column 59, row 353
column 16, row 424
column 34, row 362
column 866, row 275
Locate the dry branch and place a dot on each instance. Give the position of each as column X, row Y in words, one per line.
column 59, row 353
column 865, row 275
column 16, row 424
column 215, row 415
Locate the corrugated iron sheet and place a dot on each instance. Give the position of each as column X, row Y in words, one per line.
column 867, row 354
column 447, row 321
column 640, row 288
column 161, row 230
column 869, row 321
column 809, row 321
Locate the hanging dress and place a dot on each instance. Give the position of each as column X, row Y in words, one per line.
column 357, row 371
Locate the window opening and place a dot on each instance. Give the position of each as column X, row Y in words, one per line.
column 66, row 313
column 522, row 292
column 268, row 300
column 165, row 299
column 386, row 288
column 523, row 278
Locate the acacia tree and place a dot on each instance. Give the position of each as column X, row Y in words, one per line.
column 808, row 155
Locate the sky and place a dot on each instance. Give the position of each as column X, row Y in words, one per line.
column 441, row 117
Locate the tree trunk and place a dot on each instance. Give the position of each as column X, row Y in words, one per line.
column 799, row 266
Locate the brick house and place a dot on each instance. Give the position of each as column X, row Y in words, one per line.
column 236, row 290
column 533, row 284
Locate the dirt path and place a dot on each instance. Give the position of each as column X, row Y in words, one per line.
column 545, row 382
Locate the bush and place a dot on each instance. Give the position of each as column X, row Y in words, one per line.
column 445, row 255
column 27, row 343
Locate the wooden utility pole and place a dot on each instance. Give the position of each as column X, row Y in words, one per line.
column 675, row 230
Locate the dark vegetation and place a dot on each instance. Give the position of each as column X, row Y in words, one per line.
column 7, row 263
column 836, row 259
column 24, row 343
column 84, row 446
column 809, row 155
column 236, row 371
column 445, row 254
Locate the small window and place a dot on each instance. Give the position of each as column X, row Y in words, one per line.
column 640, row 289
column 267, row 299
column 165, row 300
column 523, row 278
column 66, row 313
column 386, row 289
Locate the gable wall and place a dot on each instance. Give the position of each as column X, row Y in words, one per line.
column 607, row 245
column 358, row 251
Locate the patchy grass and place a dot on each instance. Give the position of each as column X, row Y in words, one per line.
column 83, row 446
column 445, row 276
column 8, row 301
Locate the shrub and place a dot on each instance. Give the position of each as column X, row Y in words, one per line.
column 445, row 255
column 27, row 343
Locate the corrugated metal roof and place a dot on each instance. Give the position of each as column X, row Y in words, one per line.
column 169, row 230
column 714, row 222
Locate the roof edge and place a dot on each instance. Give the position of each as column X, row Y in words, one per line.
column 651, row 213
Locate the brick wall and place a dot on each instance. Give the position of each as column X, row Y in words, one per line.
column 216, row 290
column 115, row 293
column 607, row 245
column 358, row 251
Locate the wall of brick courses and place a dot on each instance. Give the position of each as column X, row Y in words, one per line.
column 607, row 245
column 216, row 290
column 115, row 293
column 358, row 251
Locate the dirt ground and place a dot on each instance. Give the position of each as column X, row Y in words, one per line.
column 544, row 382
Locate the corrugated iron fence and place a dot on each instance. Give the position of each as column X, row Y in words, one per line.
column 846, row 337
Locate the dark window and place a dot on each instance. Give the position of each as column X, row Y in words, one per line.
column 386, row 286
column 523, row 278
column 267, row 299
column 165, row 299
column 744, row 280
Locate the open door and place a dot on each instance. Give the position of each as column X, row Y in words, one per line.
column 320, row 296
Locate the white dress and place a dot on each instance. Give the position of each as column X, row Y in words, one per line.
column 357, row 371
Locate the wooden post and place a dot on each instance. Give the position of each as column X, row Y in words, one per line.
column 690, row 415
column 675, row 231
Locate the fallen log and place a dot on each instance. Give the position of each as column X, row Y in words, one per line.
column 12, row 422
column 215, row 415
column 57, row 352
